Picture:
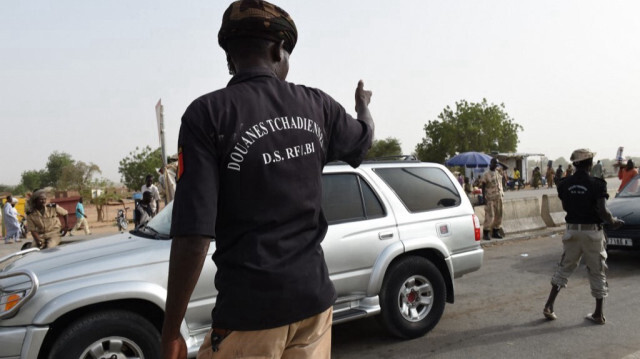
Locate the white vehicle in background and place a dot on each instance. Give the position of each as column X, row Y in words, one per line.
column 399, row 233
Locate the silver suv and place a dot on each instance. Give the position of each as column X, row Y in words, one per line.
column 399, row 233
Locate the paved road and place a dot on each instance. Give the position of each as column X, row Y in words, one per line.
column 498, row 313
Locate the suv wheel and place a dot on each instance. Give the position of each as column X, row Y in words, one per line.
column 412, row 297
column 108, row 334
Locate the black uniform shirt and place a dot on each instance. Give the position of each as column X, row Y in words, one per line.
column 579, row 194
column 251, row 164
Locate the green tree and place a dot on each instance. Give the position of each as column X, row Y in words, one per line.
column 33, row 179
column 383, row 148
column 108, row 194
column 138, row 164
column 481, row 127
column 77, row 176
column 55, row 164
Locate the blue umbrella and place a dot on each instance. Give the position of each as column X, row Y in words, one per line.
column 469, row 160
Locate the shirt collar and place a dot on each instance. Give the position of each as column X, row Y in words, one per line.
column 251, row 73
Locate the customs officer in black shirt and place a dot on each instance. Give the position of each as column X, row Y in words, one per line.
column 250, row 173
column 583, row 198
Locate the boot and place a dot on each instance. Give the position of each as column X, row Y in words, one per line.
column 485, row 235
column 496, row 233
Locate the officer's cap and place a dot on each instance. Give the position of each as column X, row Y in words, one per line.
column 581, row 155
column 257, row 19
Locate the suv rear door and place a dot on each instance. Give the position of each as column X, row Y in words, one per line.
column 431, row 206
column 361, row 225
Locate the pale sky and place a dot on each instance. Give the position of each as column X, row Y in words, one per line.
column 83, row 77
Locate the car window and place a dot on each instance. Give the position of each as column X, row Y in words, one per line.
column 347, row 197
column 421, row 188
column 632, row 189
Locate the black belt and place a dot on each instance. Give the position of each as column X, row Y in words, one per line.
column 584, row 227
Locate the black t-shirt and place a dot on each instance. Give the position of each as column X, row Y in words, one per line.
column 251, row 164
column 579, row 194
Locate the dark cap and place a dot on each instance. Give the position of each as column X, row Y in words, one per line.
column 257, row 18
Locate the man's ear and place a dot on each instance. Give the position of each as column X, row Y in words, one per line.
column 276, row 51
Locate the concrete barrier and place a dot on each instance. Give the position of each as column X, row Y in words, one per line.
column 551, row 210
column 519, row 215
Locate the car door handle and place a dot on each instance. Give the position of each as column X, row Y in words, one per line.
column 385, row 235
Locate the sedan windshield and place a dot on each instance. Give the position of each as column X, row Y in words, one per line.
column 632, row 189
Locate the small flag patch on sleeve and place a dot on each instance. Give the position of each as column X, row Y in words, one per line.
column 180, row 163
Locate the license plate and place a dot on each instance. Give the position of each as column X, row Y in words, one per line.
column 620, row 241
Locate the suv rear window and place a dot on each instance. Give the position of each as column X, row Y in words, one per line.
column 347, row 197
column 421, row 188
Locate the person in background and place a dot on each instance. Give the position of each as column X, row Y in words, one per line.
column 596, row 171
column 584, row 199
column 559, row 175
column 549, row 176
column 569, row 171
column 43, row 221
column 536, row 178
column 11, row 222
column 260, row 199
column 7, row 203
column 517, row 178
column 81, row 219
column 492, row 192
column 144, row 212
column 155, row 193
column 167, row 184
column 626, row 173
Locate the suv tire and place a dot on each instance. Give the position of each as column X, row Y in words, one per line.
column 412, row 297
column 119, row 332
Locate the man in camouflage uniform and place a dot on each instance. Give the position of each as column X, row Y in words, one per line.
column 491, row 182
column 43, row 221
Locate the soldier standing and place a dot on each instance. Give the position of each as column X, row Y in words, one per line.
column 583, row 198
column 549, row 176
column 491, row 182
column 43, row 221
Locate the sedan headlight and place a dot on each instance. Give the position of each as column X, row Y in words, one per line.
column 16, row 288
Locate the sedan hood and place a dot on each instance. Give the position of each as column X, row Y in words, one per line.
column 626, row 209
column 86, row 257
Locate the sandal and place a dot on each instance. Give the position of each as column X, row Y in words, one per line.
column 597, row 320
column 549, row 314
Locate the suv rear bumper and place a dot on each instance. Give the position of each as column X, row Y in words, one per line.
column 21, row 342
column 467, row 262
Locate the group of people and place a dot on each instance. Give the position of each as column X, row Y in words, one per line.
column 42, row 220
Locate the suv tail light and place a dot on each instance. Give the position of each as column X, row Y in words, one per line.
column 476, row 227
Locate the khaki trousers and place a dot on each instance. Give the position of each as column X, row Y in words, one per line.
column 492, row 214
column 307, row 339
column 588, row 245
column 82, row 222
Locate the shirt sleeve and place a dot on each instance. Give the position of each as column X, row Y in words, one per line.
column 196, row 198
column 349, row 138
column 61, row 211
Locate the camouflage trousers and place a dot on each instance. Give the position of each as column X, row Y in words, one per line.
column 590, row 246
